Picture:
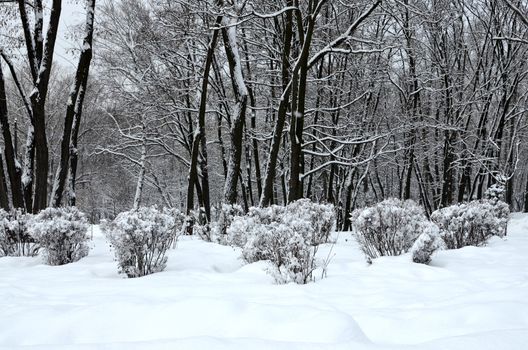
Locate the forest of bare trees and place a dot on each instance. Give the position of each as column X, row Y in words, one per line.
column 190, row 104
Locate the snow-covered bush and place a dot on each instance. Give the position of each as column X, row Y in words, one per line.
column 314, row 221
column 286, row 236
column 320, row 218
column 426, row 244
column 61, row 233
column 15, row 239
column 291, row 256
column 141, row 239
column 389, row 227
column 471, row 223
column 239, row 231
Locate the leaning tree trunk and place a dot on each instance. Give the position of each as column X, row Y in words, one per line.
column 81, row 77
column 13, row 169
column 199, row 135
column 74, row 152
column 237, row 128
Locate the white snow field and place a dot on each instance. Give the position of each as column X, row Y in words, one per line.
column 472, row 298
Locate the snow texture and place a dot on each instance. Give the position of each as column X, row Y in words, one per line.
column 470, row 298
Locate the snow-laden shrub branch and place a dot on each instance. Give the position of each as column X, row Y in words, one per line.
column 62, row 234
column 389, row 227
column 472, row 223
column 15, row 239
column 141, row 239
column 426, row 244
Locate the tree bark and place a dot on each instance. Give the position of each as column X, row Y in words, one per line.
column 81, row 77
column 13, row 166
column 269, row 178
column 38, row 102
column 199, row 134
column 237, row 128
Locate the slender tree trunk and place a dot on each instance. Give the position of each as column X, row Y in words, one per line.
column 141, row 175
column 13, row 167
column 199, row 134
column 4, row 200
column 297, row 120
column 81, row 76
column 253, row 104
column 74, row 152
column 239, row 116
column 269, row 178
column 29, row 166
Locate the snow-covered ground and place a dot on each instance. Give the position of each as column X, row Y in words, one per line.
column 472, row 298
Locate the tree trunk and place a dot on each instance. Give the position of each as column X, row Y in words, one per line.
column 13, row 167
column 297, row 120
column 38, row 102
column 4, row 200
column 269, row 178
column 237, row 128
column 81, row 76
column 141, row 175
column 199, row 134
column 74, row 152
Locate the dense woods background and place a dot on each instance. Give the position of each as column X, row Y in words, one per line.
column 191, row 104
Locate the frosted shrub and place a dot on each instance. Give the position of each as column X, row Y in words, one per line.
column 15, row 239
column 240, row 229
column 389, row 227
column 241, row 226
column 286, row 236
column 321, row 219
column 471, row 223
column 291, row 257
column 141, row 239
column 426, row 244
column 314, row 221
column 61, row 233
